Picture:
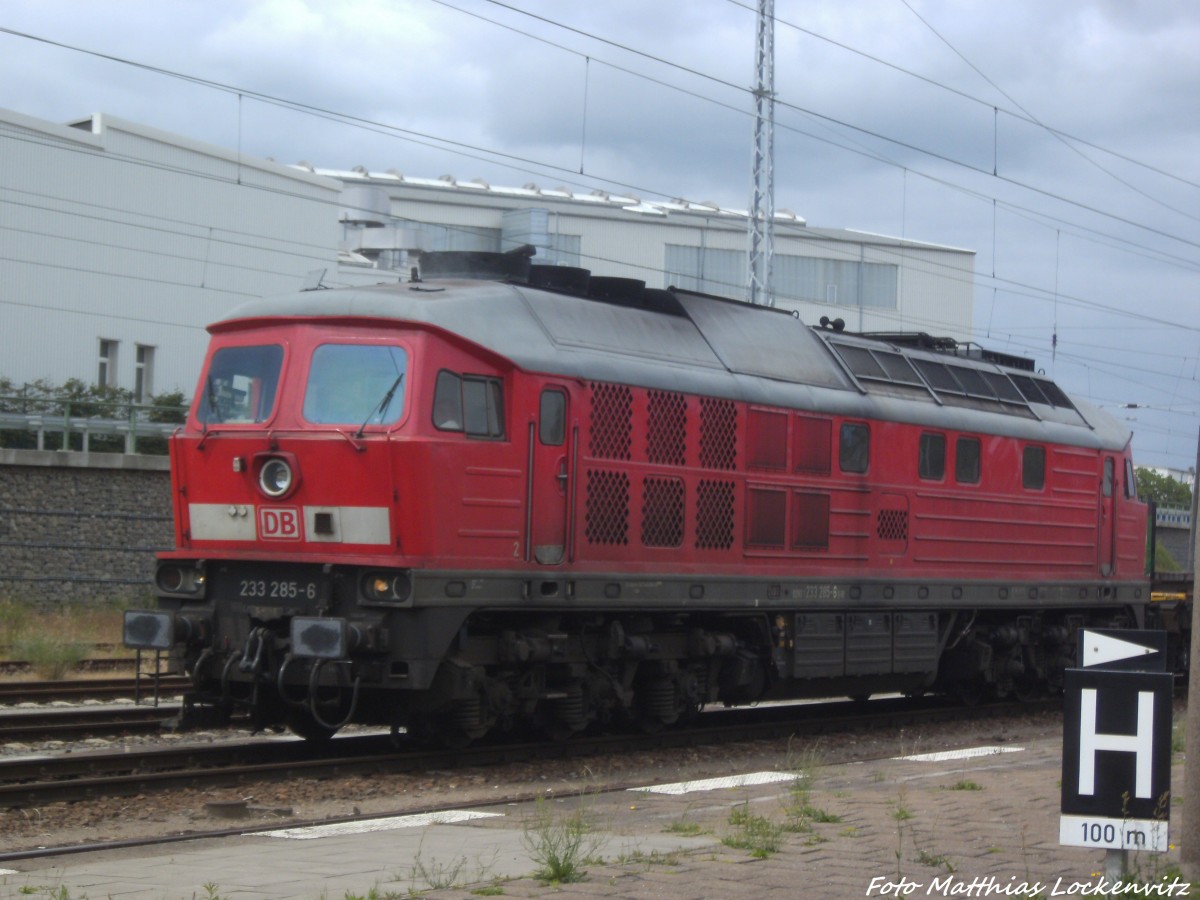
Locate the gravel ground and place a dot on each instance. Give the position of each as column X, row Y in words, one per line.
column 165, row 813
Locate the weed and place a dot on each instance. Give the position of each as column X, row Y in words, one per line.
column 683, row 826
column 964, row 784
column 849, row 831
column 653, row 858
column 560, row 845
column 900, row 812
column 800, row 810
column 51, row 656
column 936, row 860
column 490, row 890
column 758, row 834
column 374, row 894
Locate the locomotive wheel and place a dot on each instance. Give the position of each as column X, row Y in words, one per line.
column 302, row 724
column 969, row 693
column 1028, row 691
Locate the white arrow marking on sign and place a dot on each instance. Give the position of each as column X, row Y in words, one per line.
column 1099, row 649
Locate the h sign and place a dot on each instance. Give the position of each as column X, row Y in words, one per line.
column 1116, row 783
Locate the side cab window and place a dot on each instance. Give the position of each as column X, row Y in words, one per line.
column 854, row 447
column 473, row 404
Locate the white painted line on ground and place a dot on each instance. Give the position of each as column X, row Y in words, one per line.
column 334, row 829
column 959, row 754
column 714, row 784
column 9, row 872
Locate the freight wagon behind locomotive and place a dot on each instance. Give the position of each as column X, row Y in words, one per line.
column 457, row 504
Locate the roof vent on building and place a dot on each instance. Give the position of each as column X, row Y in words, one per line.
column 362, row 204
column 361, row 170
column 531, row 186
column 481, row 183
column 399, row 175
column 305, row 165
column 449, row 179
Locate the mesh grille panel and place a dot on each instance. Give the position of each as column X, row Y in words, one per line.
column 714, row 515
column 718, row 434
column 666, row 437
column 662, row 512
column 892, row 525
column 612, row 421
column 607, row 516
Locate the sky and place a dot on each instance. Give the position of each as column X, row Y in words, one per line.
column 1059, row 141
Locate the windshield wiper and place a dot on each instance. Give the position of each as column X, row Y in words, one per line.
column 382, row 407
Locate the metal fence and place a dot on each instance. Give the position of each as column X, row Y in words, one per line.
column 60, row 423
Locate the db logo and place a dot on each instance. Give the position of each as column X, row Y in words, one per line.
column 279, row 523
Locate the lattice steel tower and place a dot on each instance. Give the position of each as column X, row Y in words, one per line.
column 762, row 192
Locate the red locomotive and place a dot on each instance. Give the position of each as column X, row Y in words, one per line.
column 453, row 505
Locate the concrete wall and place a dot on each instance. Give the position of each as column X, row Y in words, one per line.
column 79, row 528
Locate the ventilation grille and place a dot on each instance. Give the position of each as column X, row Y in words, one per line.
column 892, row 525
column 612, row 419
column 662, row 512
column 666, row 437
column 607, row 517
column 714, row 515
column 718, row 434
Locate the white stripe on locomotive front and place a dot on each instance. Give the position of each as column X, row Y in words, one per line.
column 238, row 522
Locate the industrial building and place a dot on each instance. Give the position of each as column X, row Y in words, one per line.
column 121, row 242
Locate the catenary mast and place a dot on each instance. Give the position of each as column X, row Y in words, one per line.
column 762, row 193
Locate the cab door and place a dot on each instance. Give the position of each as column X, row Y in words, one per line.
column 1108, row 514
column 550, row 477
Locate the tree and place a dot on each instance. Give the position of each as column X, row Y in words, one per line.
column 1163, row 489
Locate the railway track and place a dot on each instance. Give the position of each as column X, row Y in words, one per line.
column 13, row 692
column 16, row 667
column 81, row 722
column 81, row 776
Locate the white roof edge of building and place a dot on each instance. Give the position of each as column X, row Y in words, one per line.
column 53, row 129
column 909, row 241
column 624, row 203
column 99, row 123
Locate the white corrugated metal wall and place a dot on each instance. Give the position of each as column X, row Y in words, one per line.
column 117, row 232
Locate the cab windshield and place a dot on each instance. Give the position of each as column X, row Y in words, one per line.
column 355, row 384
column 240, row 385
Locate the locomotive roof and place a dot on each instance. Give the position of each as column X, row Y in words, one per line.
column 695, row 343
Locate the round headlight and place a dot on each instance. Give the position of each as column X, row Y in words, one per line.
column 170, row 579
column 275, row 478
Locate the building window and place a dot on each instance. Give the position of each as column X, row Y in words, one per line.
column 1033, row 468
column 931, row 457
column 143, row 374
column 106, row 371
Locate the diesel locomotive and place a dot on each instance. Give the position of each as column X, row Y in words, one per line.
column 546, row 499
